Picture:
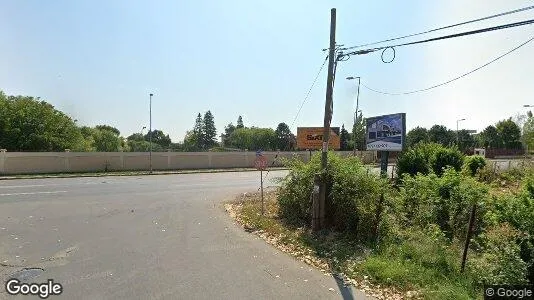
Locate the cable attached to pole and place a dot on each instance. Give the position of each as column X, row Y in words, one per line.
column 453, row 79
column 444, row 27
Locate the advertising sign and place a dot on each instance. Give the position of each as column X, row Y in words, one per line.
column 386, row 133
column 312, row 138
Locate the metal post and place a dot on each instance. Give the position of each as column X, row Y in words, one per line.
column 356, row 117
column 384, row 157
column 327, row 117
column 261, row 187
column 150, row 134
column 469, row 234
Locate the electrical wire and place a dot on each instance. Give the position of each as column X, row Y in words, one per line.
column 309, row 91
column 298, row 112
column 454, row 79
column 444, row 27
column 466, row 33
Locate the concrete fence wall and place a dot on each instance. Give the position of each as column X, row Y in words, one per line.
column 66, row 162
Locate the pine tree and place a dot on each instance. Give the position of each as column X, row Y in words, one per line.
column 209, row 130
column 240, row 123
column 198, row 133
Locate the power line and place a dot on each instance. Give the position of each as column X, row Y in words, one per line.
column 444, row 27
column 454, row 79
column 309, row 91
column 298, row 112
column 466, row 33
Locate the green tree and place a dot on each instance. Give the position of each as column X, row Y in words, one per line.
column 490, row 138
column 441, row 135
column 227, row 132
column 107, row 127
column 284, row 137
column 240, row 123
column 28, row 124
column 528, row 132
column 344, row 138
column 358, row 133
column 209, row 130
column 136, row 137
column 417, row 135
column 106, row 140
column 197, row 136
column 158, row 137
column 465, row 140
column 509, row 133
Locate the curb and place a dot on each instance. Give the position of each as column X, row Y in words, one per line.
column 111, row 174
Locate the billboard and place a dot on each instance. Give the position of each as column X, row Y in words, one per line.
column 386, row 133
column 312, row 138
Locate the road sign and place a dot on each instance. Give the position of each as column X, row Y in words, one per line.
column 260, row 162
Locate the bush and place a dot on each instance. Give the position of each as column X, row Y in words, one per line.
column 425, row 158
column 445, row 201
column 354, row 193
column 518, row 211
column 500, row 261
column 447, row 157
column 474, row 163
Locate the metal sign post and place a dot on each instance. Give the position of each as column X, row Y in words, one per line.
column 261, row 164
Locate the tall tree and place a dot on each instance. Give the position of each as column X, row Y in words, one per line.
column 106, row 140
column 240, row 123
column 228, row 129
column 198, row 133
column 358, row 133
column 283, row 137
column 490, row 138
column 136, row 137
column 416, row 135
column 528, row 132
column 209, row 130
column 158, row 137
column 29, row 124
column 465, row 140
column 107, row 127
column 509, row 133
column 441, row 135
column 344, row 138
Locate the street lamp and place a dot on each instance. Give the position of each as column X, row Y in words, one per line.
column 356, row 111
column 457, row 132
column 144, row 127
column 150, row 134
column 528, row 105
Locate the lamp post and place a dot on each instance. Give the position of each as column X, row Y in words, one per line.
column 150, row 133
column 356, row 111
column 457, row 132
column 144, row 127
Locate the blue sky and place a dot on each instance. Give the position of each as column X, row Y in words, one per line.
column 99, row 60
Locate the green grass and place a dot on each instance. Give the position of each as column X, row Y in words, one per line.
column 417, row 262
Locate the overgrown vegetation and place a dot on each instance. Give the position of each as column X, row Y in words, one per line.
column 422, row 224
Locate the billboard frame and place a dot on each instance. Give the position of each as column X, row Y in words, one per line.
column 403, row 131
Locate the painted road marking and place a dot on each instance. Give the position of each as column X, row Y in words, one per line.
column 33, row 193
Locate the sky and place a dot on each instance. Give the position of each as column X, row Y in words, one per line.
column 99, row 60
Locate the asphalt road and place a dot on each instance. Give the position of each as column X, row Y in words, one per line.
column 147, row 237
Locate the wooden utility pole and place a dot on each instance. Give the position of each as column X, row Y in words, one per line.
column 328, row 109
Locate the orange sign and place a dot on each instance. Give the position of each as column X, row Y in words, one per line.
column 312, row 138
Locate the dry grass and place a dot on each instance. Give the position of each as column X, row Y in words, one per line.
column 332, row 253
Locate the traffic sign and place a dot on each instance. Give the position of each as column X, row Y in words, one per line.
column 260, row 163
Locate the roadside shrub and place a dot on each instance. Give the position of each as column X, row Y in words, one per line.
column 447, row 157
column 500, row 260
column 354, row 193
column 445, row 201
column 425, row 158
column 474, row 163
column 518, row 211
